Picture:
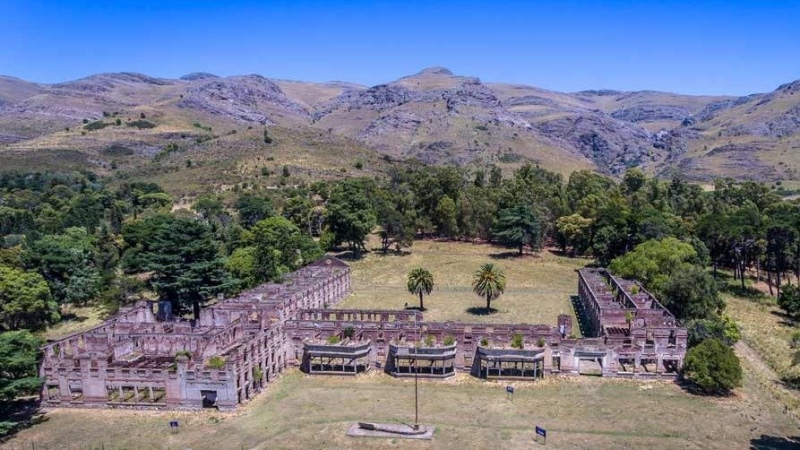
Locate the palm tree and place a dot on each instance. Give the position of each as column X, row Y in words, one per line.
column 490, row 282
column 420, row 282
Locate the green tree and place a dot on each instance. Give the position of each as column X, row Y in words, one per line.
column 67, row 263
column 253, row 208
column 653, row 262
column 573, row 232
column 789, row 300
column 280, row 247
column 350, row 216
column 518, row 227
column 184, row 260
column 445, row 217
column 25, row 300
column 298, row 210
column 420, row 282
column 211, row 208
column 713, row 367
column 19, row 358
column 691, row 293
column 721, row 328
column 242, row 266
column 489, row 282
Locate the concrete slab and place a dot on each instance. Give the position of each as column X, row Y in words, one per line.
column 356, row 431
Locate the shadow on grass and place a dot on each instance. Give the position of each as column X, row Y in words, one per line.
column 786, row 319
column 691, row 388
column 512, row 254
column 792, row 381
column 747, row 292
column 380, row 252
column 72, row 317
column 766, row 442
column 480, row 310
column 24, row 412
column 351, row 255
column 415, row 308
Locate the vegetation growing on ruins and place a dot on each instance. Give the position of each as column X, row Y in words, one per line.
column 216, row 362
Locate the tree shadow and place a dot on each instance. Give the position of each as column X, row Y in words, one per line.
column 508, row 255
column 766, row 442
column 791, row 381
column 380, row 252
column 480, row 310
column 25, row 412
column 415, row 308
column 351, row 255
column 691, row 388
column 747, row 292
column 786, row 319
column 72, row 317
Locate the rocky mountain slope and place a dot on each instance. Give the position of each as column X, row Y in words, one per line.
column 433, row 116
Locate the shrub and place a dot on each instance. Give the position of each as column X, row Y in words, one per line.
column 285, row 172
column 201, row 126
column 789, row 300
column 141, row 124
column 634, row 289
column 334, row 339
column 795, row 339
column 429, row 341
column 267, row 138
column 185, row 353
column 97, row 125
column 258, row 373
column 359, row 165
column 713, row 367
column 118, row 122
column 484, row 342
column 540, row 342
column 449, row 340
column 517, row 341
column 142, row 116
column 349, row 332
column 85, row 121
column 216, row 362
column 722, row 329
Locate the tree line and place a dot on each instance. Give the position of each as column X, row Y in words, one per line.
column 72, row 239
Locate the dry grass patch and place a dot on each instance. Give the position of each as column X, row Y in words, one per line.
column 537, row 291
column 75, row 319
column 300, row 411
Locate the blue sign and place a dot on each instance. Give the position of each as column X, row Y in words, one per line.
column 510, row 389
column 173, row 424
column 541, row 432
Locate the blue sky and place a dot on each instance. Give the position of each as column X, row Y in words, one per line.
column 698, row 47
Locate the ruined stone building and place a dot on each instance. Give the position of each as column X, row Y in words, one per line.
column 144, row 359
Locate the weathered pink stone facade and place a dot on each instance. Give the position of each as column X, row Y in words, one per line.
column 134, row 360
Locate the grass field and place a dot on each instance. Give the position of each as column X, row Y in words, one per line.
column 538, row 285
column 300, row 411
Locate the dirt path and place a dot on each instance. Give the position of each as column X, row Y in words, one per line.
column 769, row 380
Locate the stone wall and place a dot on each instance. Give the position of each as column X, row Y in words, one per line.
column 242, row 343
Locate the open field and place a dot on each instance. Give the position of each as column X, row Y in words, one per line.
column 767, row 332
column 537, row 291
column 300, row 411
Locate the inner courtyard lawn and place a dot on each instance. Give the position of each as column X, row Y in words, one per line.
column 537, row 291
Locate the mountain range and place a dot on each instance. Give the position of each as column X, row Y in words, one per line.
column 115, row 121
